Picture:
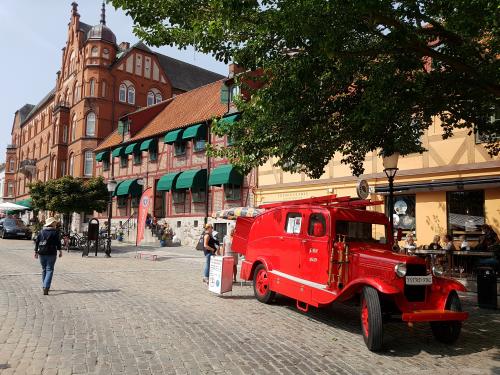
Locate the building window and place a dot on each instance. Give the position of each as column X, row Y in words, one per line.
column 121, row 201
column 89, row 163
column 71, row 169
column 124, row 161
column 138, row 157
column 138, row 65
column 63, row 168
column 73, row 128
column 94, row 52
column 158, row 97
column 178, row 196
column 10, row 189
column 90, row 125
column 404, row 213
column 65, row 134
column 235, row 92
column 131, row 95
column 232, row 192
column 199, row 144
column 153, row 152
column 105, row 164
column 465, row 214
column 147, row 67
column 198, row 195
column 105, row 53
column 134, row 201
column 151, row 99
column 54, row 167
column 103, row 89
column 123, row 93
column 179, row 148
column 12, row 165
column 92, row 88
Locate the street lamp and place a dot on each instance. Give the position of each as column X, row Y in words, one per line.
column 111, row 188
column 390, row 163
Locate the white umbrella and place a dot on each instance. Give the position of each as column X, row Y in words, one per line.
column 7, row 206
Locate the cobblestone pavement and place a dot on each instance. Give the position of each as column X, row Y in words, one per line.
column 123, row 315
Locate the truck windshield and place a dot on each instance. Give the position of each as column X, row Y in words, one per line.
column 356, row 231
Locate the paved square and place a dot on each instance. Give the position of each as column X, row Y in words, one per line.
column 129, row 316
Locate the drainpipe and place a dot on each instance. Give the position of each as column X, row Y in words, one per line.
column 207, row 205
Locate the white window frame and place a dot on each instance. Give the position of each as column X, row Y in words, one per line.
column 90, row 124
column 122, row 97
column 88, row 164
column 131, row 94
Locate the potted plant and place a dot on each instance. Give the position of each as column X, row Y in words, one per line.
column 119, row 235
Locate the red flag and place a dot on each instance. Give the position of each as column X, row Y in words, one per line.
column 146, row 201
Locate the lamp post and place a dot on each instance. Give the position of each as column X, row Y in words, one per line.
column 111, row 188
column 390, row 163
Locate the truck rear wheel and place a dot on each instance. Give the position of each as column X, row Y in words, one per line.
column 371, row 319
column 261, row 285
column 448, row 332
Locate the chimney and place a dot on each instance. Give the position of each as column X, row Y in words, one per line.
column 124, row 46
column 235, row 69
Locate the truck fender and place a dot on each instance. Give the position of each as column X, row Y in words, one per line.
column 357, row 285
column 447, row 285
column 255, row 264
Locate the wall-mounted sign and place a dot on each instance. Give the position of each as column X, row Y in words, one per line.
column 362, row 189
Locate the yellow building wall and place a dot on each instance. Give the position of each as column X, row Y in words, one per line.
column 430, row 212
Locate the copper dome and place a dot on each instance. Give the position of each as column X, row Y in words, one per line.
column 101, row 32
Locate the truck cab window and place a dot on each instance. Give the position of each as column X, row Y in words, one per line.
column 356, row 231
column 317, row 225
column 293, row 223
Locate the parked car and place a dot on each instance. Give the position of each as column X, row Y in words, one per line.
column 14, row 228
column 332, row 249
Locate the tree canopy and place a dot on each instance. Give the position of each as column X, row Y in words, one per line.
column 67, row 194
column 341, row 77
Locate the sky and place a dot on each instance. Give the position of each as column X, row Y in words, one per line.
column 33, row 32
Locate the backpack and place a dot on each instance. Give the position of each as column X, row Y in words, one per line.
column 43, row 248
column 200, row 246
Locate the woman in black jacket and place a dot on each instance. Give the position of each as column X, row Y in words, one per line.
column 47, row 244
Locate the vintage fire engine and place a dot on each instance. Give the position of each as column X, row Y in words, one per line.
column 332, row 249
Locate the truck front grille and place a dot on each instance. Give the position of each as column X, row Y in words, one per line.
column 415, row 293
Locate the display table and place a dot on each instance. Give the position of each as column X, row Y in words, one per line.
column 220, row 279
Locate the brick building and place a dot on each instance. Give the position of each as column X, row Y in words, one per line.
column 163, row 147
column 99, row 82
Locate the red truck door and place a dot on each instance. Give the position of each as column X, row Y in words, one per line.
column 290, row 243
column 314, row 255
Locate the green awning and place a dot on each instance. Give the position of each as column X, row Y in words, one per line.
column 119, row 151
column 167, row 181
column 193, row 178
column 128, row 187
column 195, row 131
column 102, row 155
column 132, row 148
column 225, row 174
column 147, row 144
column 173, row 136
column 230, row 119
column 25, row 202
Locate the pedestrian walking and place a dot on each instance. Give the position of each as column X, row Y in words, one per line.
column 46, row 246
column 210, row 246
column 227, row 250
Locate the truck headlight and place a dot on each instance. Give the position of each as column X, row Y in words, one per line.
column 437, row 270
column 400, row 269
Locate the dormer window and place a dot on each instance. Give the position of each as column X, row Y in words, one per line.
column 127, row 93
column 94, row 52
column 105, row 53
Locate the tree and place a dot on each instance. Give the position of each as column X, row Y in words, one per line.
column 341, row 77
column 67, row 195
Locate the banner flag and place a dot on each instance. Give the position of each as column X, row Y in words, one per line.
column 144, row 204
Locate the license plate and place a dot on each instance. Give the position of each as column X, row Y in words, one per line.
column 20, row 233
column 419, row 280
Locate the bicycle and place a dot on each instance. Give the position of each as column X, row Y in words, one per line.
column 73, row 240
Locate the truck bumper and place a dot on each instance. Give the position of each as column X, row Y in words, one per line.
column 434, row 316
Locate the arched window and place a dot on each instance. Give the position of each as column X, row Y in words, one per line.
column 123, row 93
column 72, row 62
column 131, row 95
column 45, row 173
column 92, row 87
column 105, row 53
column 158, row 98
column 90, row 125
column 65, row 134
column 73, row 128
column 94, row 52
column 76, row 93
column 71, row 169
column 54, row 167
column 89, row 163
column 151, row 99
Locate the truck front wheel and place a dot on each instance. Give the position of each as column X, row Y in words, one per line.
column 448, row 332
column 371, row 319
column 261, row 285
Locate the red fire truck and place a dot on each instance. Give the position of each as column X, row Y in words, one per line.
column 332, row 249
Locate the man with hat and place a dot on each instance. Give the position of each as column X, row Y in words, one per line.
column 47, row 244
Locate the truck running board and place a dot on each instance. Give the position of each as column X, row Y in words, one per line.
column 303, row 309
